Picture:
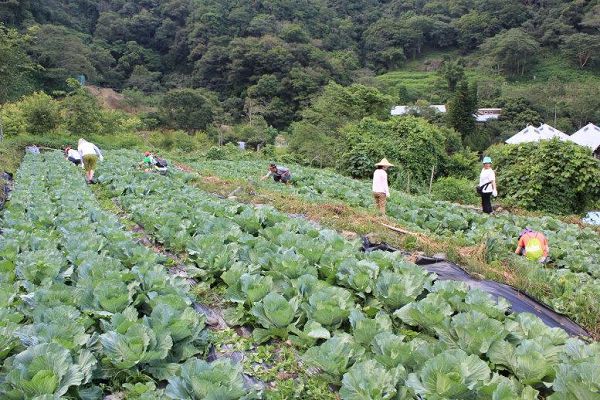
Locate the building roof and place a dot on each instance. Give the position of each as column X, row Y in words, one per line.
column 532, row 134
column 401, row 110
column 588, row 136
column 486, row 117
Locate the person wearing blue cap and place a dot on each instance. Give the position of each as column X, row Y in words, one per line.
column 487, row 185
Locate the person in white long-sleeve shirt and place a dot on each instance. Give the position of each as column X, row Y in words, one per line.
column 90, row 154
column 381, row 190
column 487, row 183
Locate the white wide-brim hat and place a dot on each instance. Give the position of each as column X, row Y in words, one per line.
column 384, row 163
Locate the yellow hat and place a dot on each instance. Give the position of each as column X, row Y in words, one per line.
column 384, row 163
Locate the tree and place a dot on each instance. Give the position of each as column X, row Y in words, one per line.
column 583, row 103
column 512, row 51
column 583, row 48
column 17, row 70
column 82, row 111
column 63, row 55
column 461, row 109
column 473, row 28
column 591, row 19
column 41, row 112
column 143, row 79
column 337, row 105
column 518, row 113
column 188, row 109
column 453, row 72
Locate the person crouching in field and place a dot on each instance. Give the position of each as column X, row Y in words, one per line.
column 279, row 174
column 72, row 155
column 381, row 190
column 533, row 245
column 90, row 154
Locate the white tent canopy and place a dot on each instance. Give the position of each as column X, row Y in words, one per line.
column 588, row 136
column 532, row 134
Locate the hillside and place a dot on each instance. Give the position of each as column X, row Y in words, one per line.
column 279, row 53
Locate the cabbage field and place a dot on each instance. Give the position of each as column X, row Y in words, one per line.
column 573, row 278
column 89, row 311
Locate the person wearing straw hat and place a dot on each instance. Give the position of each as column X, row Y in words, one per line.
column 487, row 185
column 381, row 190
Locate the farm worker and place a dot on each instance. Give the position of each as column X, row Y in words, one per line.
column 90, row 154
column 148, row 159
column 279, row 174
column 533, row 245
column 487, row 185
column 381, row 190
column 73, row 155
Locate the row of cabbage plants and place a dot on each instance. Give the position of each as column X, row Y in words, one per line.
column 573, row 247
column 376, row 326
column 85, row 310
column 573, row 277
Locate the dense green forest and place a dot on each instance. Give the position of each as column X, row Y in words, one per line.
column 321, row 74
column 274, row 55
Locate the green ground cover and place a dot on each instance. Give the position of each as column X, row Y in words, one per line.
column 572, row 278
column 375, row 325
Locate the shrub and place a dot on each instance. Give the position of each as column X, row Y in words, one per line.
column 456, row 190
column 412, row 143
column 82, row 113
column 552, row 176
column 41, row 112
column 117, row 122
column 464, row 164
column 216, row 153
column 13, row 120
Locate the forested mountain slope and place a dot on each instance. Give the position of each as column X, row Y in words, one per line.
column 275, row 54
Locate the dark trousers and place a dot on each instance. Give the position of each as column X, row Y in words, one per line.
column 486, row 202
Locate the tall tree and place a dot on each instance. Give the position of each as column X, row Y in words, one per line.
column 512, row 51
column 582, row 47
column 461, row 109
column 452, row 72
column 16, row 67
column 188, row 109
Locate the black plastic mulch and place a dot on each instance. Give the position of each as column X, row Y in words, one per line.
column 520, row 302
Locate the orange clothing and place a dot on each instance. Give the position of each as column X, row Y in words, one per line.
column 530, row 235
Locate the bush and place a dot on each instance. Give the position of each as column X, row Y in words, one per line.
column 412, row 143
column 82, row 113
column 552, row 176
column 464, row 164
column 456, row 190
column 216, row 153
column 13, row 120
column 178, row 141
column 188, row 109
column 117, row 123
column 41, row 112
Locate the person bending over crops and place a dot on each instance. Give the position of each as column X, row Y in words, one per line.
column 381, row 190
column 90, row 153
column 151, row 163
column 148, row 160
column 73, row 156
column 279, row 174
column 533, row 245
column 487, row 185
